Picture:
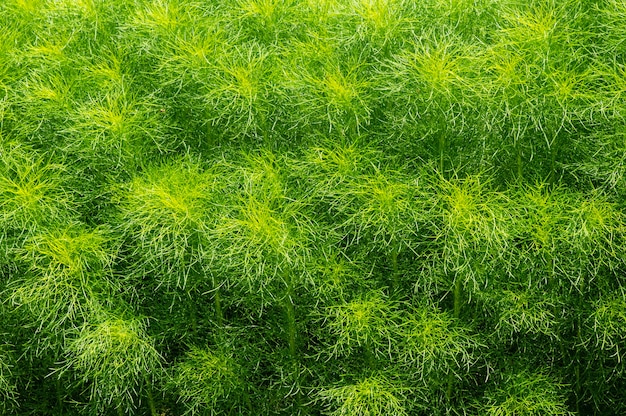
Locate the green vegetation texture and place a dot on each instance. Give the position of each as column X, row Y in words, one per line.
column 313, row 207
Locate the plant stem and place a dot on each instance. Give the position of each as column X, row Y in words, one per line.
column 290, row 310
column 450, row 387
column 577, row 353
column 369, row 357
column 219, row 313
column 291, row 327
column 552, row 164
column 151, row 403
column 578, row 386
column 266, row 131
column 193, row 317
column 458, row 303
column 519, row 162
column 59, row 391
column 246, row 399
column 458, row 297
column 395, row 278
column 442, row 145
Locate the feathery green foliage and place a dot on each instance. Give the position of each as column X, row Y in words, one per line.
column 304, row 207
column 117, row 358
column 7, row 383
column 526, row 393
column 370, row 396
column 204, row 380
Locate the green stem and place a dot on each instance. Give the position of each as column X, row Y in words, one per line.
column 577, row 353
column 442, row 145
column 219, row 313
column 458, row 304
column 450, row 388
column 292, row 333
column 193, row 318
column 246, row 399
column 290, row 311
column 552, row 164
column 291, row 328
column 265, row 131
column 578, row 387
column 519, row 162
column 370, row 360
column 59, row 392
column 395, row 278
column 458, row 297
column 151, row 403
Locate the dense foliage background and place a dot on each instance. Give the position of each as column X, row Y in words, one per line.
column 307, row 207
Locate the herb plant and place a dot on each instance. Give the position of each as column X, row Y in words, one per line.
column 330, row 207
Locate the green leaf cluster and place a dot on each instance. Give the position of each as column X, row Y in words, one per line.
column 312, row 207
